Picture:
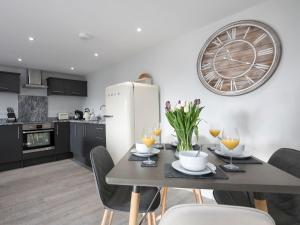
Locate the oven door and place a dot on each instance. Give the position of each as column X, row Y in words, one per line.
column 38, row 140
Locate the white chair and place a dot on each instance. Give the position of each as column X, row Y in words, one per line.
column 195, row 214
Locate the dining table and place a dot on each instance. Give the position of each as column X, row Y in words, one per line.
column 261, row 178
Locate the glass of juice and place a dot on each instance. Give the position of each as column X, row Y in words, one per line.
column 157, row 133
column 214, row 130
column 230, row 139
column 149, row 140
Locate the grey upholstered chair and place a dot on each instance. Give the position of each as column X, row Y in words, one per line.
column 284, row 208
column 195, row 214
column 116, row 197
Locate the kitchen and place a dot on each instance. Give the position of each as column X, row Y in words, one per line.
column 36, row 135
column 146, row 112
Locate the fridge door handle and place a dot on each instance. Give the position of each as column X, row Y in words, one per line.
column 108, row 116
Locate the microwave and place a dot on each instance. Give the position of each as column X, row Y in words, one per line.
column 63, row 116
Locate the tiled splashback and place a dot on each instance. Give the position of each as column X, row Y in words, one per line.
column 32, row 108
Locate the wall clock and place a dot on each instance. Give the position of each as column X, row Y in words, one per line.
column 239, row 58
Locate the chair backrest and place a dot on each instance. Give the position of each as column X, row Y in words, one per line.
column 285, row 208
column 102, row 163
column 195, row 214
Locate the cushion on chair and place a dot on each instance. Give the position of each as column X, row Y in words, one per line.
column 196, row 214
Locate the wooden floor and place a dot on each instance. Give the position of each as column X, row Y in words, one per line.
column 59, row 193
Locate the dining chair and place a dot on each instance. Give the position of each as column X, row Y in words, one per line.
column 118, row 197
column 195, row 214
column 284, row 208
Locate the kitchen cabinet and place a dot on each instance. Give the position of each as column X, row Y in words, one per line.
column 9, row 82
column 84, row 137
column 59, row 86
column 11, row 146
column 62, row 140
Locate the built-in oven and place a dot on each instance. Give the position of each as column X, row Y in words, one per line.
column 38, row 140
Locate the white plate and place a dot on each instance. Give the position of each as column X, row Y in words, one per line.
column 242, row 156
column 177, row 166
column 154, row 151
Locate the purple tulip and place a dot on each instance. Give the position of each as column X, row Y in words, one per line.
column 168, row 106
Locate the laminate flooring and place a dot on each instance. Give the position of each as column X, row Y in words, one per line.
column 60, row 193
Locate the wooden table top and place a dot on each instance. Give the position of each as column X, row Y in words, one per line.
column 257, row 178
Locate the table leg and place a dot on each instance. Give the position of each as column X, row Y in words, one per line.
column 134, row 206
column 261, row 204
column 164, row 200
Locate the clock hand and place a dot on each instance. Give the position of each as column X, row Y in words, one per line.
column 235, row 60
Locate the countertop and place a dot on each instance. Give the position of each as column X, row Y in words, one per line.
column 3, row 122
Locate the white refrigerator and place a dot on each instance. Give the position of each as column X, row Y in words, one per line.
column 130, row 108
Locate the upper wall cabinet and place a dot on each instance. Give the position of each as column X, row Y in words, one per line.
column 59, row 86
column 10, row 82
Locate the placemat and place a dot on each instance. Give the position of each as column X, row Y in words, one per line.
column 137, row 158
column 226, row 159
column 239, row 170
column 172, row 147
column 172, row 173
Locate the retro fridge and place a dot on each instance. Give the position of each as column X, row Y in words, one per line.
column 130, row 108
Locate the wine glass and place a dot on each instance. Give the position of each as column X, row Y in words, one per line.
column 157, row 132
column 148, row 139
column 230, row 139
column 214, row 130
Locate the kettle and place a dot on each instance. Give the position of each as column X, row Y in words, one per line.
column 87, row 114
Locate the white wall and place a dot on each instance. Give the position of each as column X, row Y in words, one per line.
column 55, row 103
column 267, row 118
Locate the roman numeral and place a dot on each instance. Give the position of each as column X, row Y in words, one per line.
column 219, row 84
column 250, row 81
column 262, row 67
column 206, row 66
column 246, row 33
column 210, row 76
column 218, row 42
column 229, row 36
column 266, row 51
column 233, row 33
column 260, row 38
column 233, row 85
column 209, row 53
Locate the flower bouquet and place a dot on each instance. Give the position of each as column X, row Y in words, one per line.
column 184, row 118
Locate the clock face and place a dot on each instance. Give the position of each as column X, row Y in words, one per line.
column 239, row 58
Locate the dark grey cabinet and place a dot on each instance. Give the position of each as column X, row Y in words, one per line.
column 59, row 86
column 11, row 146
column 84, row 137
column 62, row 140
column 9, row 82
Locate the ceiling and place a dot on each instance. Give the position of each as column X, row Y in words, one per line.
column 55, row 25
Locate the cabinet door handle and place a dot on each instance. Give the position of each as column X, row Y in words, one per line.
column 99, row 128
column 57, row 130
column 58, row 92
column 75, row 130
column 4, row 88
column 18, row 135
column 100, row 138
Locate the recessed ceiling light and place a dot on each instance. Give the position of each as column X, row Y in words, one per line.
column 30, row 38
column 72, row 68
column 96, row 54
column 19, row 60
column 139, row 29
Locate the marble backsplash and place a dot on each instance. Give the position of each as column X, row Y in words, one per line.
column 32, row 108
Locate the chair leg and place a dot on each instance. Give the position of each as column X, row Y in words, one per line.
column 110, row 217
column 153, row 218
column 149, row 219
column 261, row 204
column 104, row 218
column 164, row 200
column 198, row 196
